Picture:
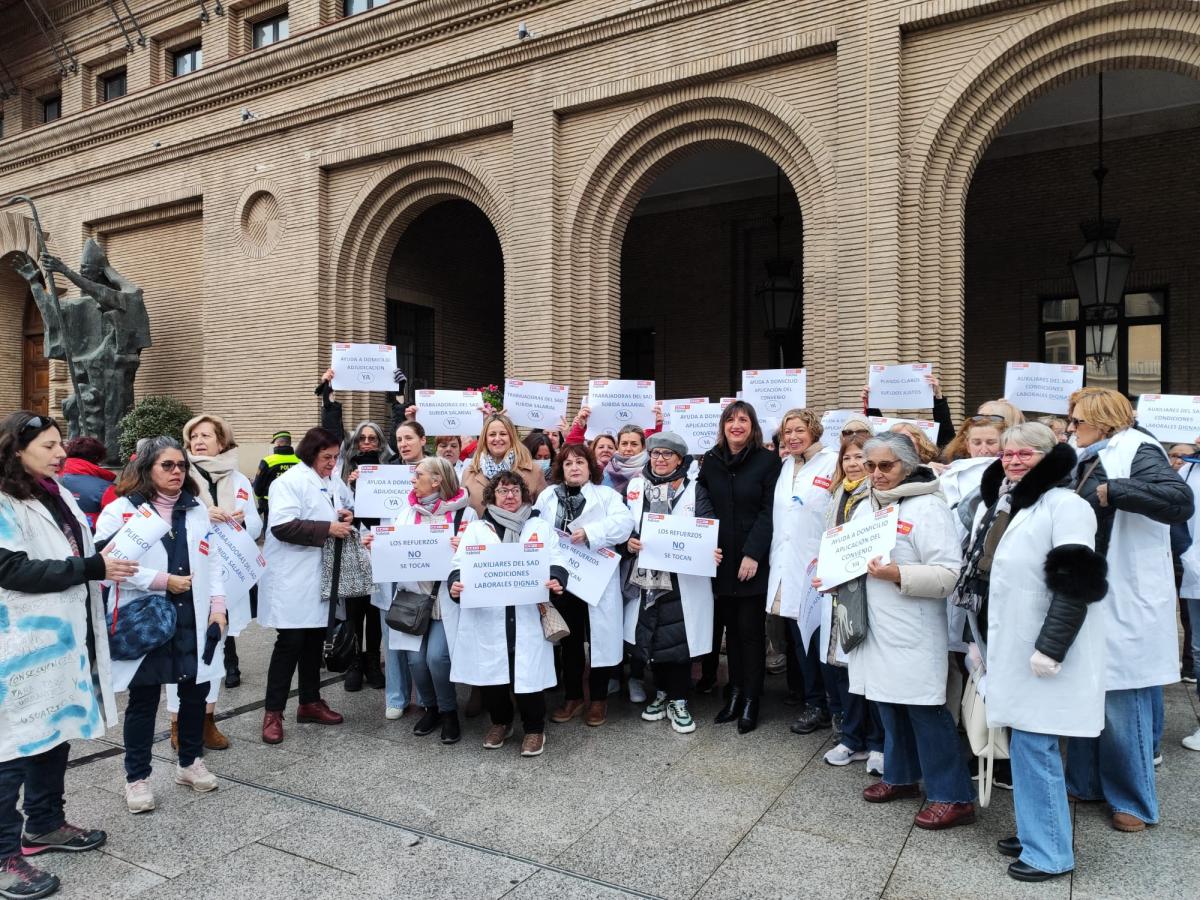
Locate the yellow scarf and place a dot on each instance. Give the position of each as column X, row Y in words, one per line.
column 851, row 501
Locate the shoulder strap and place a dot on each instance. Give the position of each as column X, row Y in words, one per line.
column 458, row 517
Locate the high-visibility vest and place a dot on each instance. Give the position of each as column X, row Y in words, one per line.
column 277, row 464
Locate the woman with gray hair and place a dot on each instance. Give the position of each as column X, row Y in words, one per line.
column 901, row 665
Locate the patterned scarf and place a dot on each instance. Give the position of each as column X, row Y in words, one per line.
column 972, row 589
column 491, row 468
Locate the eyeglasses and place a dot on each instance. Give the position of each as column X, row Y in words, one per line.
column 1025, row 454
column 170, row 465
column 854, row 432
column 661, row 454
column 508, row 492
column 884, row 467
column 366, row 438
column 35, row 425
column 1073, row 422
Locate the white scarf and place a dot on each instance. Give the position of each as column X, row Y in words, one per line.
column 218, row 469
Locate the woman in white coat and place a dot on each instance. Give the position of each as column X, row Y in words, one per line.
column 1030, row 577
column 306, row 506
column 596, row 517
column 180, row 568
column 49, row 571
column 802, row 495
column 1136, row 495
column 503, row 649
column 901, row 664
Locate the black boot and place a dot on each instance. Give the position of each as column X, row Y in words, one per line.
column 428, row 721
column 451, row 733
column 748, row 720
column 730, row 710
column 372, row 671
column 354, row 676
column 233, row 674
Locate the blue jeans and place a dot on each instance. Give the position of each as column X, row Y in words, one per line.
column 921, row 742
column 1159, row 716
column 430, row 668
column 861, row 727
column 1118, row 766
column 1040, row 799
column 44, row 777
column 1193, row 605
column 397, row 681
column 809, row 661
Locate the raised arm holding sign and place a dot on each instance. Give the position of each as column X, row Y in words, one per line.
column 1041, row 387
column 615, row 404
column 900, row 387
column 450, row 412
column 533, row 404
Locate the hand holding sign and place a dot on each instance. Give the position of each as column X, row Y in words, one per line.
column 450, row 412
column 143, row 529
column 363, row 367
column 381, row 492
column 849, row 550
column 535, row 405
column 678, row 544
column 499, row 575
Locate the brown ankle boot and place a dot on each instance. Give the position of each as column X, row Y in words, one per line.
column 175, row 734
column 213, row 739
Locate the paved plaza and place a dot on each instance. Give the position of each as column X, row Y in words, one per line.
column 629, row 809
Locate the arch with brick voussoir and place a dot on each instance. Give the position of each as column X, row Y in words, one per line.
column 638, row 149
column 1063, row 42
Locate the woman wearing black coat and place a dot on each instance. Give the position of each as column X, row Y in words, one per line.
column 737, row 487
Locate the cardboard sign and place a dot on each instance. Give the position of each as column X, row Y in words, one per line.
column 1041, row 387
column 381, row 492
column 1171, row 418
column 420, row 552
column 880, row 424
column 533, row 404
column 615, row 404
column 698, row 424
column 450, row 412
column 142, row 529
column 772, row 392
column 590, row 570
column 363, row 367
column 505, row 575
column 846, row 549
column 900, row 387
column 678, row 544
column 238, row 554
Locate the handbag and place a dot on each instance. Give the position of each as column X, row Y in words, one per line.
column 341, row 642
column 850, row 614
column 353, row 576
column 989, row 744
column 411, row 611
column 143, row 624
column 554, row 626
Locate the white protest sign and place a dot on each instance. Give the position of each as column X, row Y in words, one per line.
column 363, row 367
column 1171, row 418
column 772, row 392
column 382, row 491
column 810, row 607
column 1041, row 387
column 534, row 404
column 698, row 424
column 846, row 549
column 504, row 574
column 450, row 412
column 668, row 407
column 590, row 570
column 832, row 424
column 880, row 424
column 143, row 528
column 420, row 552
column 615, row 404
column 678, row 544
column 240, row 559
column 900, row 387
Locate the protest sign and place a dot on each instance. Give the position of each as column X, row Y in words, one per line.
column 590, row 570
column 697, row 424
column 505, row 574
column 832, row 424
column 450, row 412
column 420, row 552
column 1041, row 387
column 142, row 529
column 772, row 392
column 363, row 367
column 240, row 559
column 533, row 404
column 669, row 405
column 615, row 404
column 846, row 549
column 900, row 387
column 810, row 606
column 678, row 544
column 880, row 424
column 1171, row 418
column 382, row 491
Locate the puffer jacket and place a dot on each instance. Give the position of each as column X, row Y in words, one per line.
column 661, row 635
column 739, row 491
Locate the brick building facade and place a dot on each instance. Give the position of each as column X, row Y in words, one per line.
column 261, row 237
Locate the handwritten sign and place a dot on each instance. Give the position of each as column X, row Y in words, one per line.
column 590, row 570
column 846, row 549
column 1041, row 387
column 381, row 492
column 142, row 530
column 505, row 574
column 832, row 424
column 678, row 544
column 534, row 404
column 668, row 407
column 900, row 387
column 1172, row 418
column 615, row 404
column 772, row 392
column 363, row 367
column 420, row 552
column 698, row 424
column 241, row 561
column 450, row 412
column 880, row 424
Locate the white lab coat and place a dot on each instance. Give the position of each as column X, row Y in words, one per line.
column 1070, row 703
column 1139, row 610
column 695, row 591
column 289, row 594
column 207, row 581
column 799, row 521
column 904, row 657
column 1190, row 586
column 480, row 654
column 957, row 482
column 607, row 523
column 238, row 604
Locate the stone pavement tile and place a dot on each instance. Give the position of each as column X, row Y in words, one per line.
column 1178, row 782
column 256, row 872
column 562, row 887
column 779, row 863
column 97, row 875
column 1160, row 862
column 108, row 775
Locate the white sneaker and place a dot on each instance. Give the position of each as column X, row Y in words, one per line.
column 1192, row 741
column 138, row 796
column 393, row 713
column 196, row 776
column 875, row 764
column 656, row 711
column 1158, row 760
column 681, row 719
column 637, row 690
column 841, row 755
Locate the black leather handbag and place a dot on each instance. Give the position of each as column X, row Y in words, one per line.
column 341, row 643
column 411, row 611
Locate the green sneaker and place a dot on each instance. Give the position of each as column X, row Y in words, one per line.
column 656, row 710
column 681, row 719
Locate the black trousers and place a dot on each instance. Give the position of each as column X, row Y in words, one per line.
column 139, row 725
column 745, row 621
column 497, row 700
column 368, row 628
column 295, row 648
column 675, row 679
column 575, row 612
column 44, row 778
column 711, row 662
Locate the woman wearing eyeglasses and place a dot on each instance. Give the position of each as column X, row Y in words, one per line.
column 179, row 567
column 1136, row 495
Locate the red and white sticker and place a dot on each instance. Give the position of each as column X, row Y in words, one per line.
column 903, row 527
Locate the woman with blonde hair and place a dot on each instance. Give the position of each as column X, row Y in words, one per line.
column 926, row 449
column 499, row 450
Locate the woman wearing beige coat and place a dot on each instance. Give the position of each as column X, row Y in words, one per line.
column 499, row 450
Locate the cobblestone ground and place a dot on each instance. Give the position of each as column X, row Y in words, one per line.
column 629, row 809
